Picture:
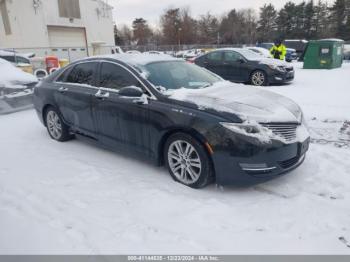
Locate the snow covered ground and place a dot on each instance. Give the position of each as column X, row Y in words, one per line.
column 75, row 198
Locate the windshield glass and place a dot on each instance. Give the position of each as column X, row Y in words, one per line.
column 179, row 74
column 250, row 55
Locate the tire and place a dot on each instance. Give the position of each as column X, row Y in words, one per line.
column 56, row 128
column 258, row 78
column 188, row 161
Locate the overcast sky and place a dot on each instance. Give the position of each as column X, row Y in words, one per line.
column 126, row 10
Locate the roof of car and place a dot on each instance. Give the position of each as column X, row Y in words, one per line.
column 138, row 59
column 229, row 49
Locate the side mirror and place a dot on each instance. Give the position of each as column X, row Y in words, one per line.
column 241, row 60
column 131, row 91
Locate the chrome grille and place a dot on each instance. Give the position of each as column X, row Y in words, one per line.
column 287, row 131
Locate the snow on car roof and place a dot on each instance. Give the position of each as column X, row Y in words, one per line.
column 12, row 76
column 140, row 59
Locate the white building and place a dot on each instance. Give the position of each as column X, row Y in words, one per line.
column 69, row 28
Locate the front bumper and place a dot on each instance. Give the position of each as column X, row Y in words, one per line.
column 257, row 164
column 280, row 78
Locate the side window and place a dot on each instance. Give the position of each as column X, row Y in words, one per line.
column 22, row 60
column 115, row 77
column 82, row 74
column 231, row 57
column 10, row 59
column 215, row 56
column 63, row 76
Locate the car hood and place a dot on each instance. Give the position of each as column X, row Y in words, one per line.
column 272, row 61
column 248, row 103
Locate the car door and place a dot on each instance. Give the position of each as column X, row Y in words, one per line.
column 74, row 91
column 235, row 69
column 214, row 62
column 121, row 122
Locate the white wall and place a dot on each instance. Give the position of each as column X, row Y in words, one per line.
column 29, row 29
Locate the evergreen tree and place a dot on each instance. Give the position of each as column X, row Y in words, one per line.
column 309, row 22
column 141, row 31
column 286, row 21
column 267, row 24
column 340, row 18
column 321, row 21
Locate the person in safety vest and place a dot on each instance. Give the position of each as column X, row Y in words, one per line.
column 279, row 50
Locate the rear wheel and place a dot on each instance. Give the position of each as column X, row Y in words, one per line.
column 187, row 161
column 258, row 78
column 56, row 128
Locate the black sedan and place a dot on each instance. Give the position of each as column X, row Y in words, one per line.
column 204, row 129
column 244, row 66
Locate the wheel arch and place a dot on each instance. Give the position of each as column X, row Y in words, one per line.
column 43, row 112
column 189, row 131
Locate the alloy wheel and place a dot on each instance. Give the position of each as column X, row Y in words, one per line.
column 54, row 125
column 184, row 162
column 258, row 78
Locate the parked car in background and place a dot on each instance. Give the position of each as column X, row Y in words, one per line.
column 28, row 55
column 204, row 129
column 135, row 52
column 15, row 58
column 244, row 66
column 346, row 52
column 192, row 53
column 14, row 78
column 299, row 45
column 153, row 53
column 117, row 50
column 261, row 51
column 267, row 46
column 291, row 55
column 189, row 54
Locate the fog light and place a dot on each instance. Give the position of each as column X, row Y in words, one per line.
column 256, row 167
column 278, row 78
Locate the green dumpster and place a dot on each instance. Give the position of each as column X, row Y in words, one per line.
column 324, row 54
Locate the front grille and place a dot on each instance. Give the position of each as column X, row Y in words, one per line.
column 286, row 131
column 289, row 163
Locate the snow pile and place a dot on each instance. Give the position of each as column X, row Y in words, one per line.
column 76, row 198
column 322, row 94
column 11, row 76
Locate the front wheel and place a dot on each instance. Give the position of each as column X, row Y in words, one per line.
column 258, row 78
column 56, row 128
column 187, row 161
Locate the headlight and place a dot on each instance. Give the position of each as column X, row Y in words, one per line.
column 247, row 128
column 278, row 68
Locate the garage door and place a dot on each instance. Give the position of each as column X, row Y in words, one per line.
column 68, row 41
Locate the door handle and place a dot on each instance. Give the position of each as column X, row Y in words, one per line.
column 63, row 89
column 101, row 94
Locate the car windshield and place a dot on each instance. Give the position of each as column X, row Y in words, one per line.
column 250, row 55
column 179, row 74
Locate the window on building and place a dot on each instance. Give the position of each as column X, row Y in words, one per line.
column 69, row 8
column 5, row 17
